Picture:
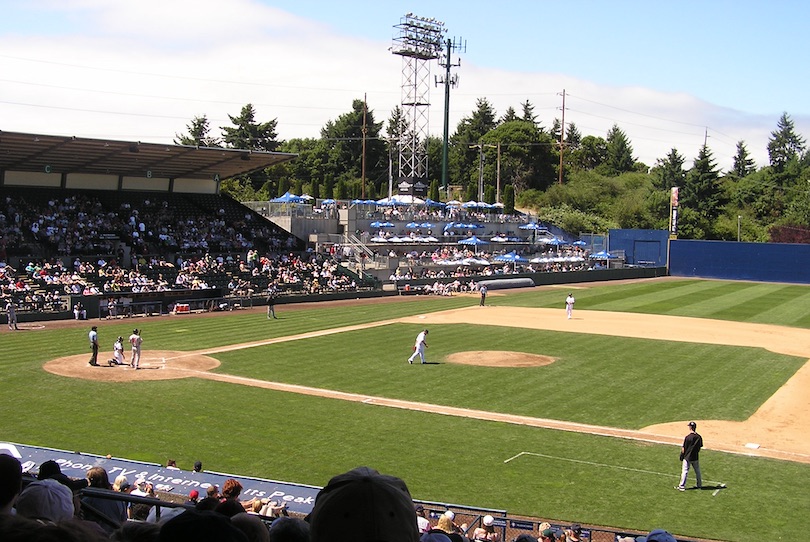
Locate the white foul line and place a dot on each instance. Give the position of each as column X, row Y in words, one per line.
column 592, row 463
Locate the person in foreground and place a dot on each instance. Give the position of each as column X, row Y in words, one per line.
column 362, row 505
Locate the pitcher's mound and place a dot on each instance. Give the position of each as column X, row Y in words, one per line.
column 155, row 365
column 500, row 358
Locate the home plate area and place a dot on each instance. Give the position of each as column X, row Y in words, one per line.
column 154, row 365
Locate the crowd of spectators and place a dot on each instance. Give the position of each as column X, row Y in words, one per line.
column 361, row 505
column 82, row 222
column 456, row 262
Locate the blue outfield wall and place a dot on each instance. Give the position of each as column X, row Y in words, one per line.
column 761, row 262
column 646, row 248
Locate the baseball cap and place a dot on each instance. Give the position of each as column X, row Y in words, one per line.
column 435, row 536
column 193, row 494
column 657, row 535
column 692, row 425
column 488, row 520
column 362, row 505
column 197, row 525
column 46, row 499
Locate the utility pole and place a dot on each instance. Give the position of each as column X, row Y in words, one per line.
column 448, row 81
column 498, row 178
column 363, row 161
column 562, row 137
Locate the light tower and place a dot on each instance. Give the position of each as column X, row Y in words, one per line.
column 419, row 41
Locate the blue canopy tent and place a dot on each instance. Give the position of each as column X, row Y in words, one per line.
column 288, row 198
column 474, row 241
column 378, row 224
column 511, row 257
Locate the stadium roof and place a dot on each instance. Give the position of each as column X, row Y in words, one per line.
column 69, row 154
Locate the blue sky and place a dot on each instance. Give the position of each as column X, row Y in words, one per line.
column 668, row 74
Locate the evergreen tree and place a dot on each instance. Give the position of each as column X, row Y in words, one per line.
column 668, row 172
column 198, row 134
column 509, row 116
column 248, row 134
column 784, row 145
column 619, row 152
column 528, row 113
column 701, row 190
column 743, row 164
column 592, row 153
column 508, row 199
column 573, row 138
column 470, row 131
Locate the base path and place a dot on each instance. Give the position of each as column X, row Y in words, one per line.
column 779, row 429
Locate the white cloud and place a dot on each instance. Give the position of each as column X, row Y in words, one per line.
column 143, row 70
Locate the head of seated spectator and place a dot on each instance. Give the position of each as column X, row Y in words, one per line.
column 231, row 489
column 200, row 526
column 288, row 529
column 363, row 505
column 657, row 535
column 435, row 535
column 46, row 500
column 255, row 530
column 208, row 503
column 50, row 469
column 136, row 531
column 10, row 482
column 230, row 507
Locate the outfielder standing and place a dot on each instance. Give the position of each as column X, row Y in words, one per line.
column 569, row 305
column 135, row 340
column 690, row 457
column 419, row 347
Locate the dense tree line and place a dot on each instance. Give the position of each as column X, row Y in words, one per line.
column 602, row 185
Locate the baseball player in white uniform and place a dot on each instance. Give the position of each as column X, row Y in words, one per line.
column 135, row 340
column 419, row 347
column 569, row 305
column 118, row 353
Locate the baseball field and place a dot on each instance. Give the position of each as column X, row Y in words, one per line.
column 518, row 408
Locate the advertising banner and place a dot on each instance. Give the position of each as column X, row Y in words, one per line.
column 298, row 498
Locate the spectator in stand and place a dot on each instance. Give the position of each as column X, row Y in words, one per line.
column 200, row 526
column 422, row 523
column 121, row 484
column 486, row 531
column 140, row 511
column 112, row 509
column 51, row 469
column 136, row 531
column 46, row 500
column 254, row 529
column 10, row 482
column 287, row 529
column 193, row 497
column 363, row 505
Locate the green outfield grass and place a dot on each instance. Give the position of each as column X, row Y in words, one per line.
column 565, row 476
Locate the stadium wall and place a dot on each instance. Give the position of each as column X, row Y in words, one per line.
column 761, row 262
column 646, row 248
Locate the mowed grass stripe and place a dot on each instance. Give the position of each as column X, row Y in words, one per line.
column 650, row 381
